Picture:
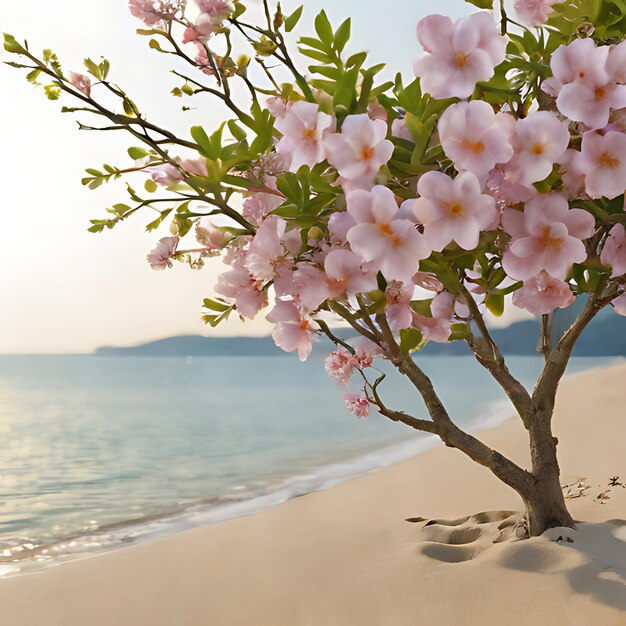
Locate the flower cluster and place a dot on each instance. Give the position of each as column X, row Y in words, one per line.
column 495, row 178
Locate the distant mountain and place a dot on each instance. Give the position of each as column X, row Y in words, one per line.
column 605, row 336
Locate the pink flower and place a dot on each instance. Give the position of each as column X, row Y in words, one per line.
column 304, row 128
column 399, row 129
column 160, row 257
column 398, row 305
column 540, row 141
column 338, row 226
column 584, row 89
column 534, row 12
column 453, row 210
column 360, row 150
column 474, row 137
column 545, row 236
column 204, row 27
column 278, row 107
column 357, row 404
column 392, row 246
column 602, row 159
column 437, row 327
column 614, row 251
column 573, row 179
column 216, row 8
column 267, row 252
column 339, row 365
column 292, row 331
column 247, row 292
column 211, row 238
column 503, row 182
column 543, row 294
column 346, row 275
column 81, row 82
column 459, row 54
column 202, row 59
column 427, row 281
column 151, row 12
column 259, row 205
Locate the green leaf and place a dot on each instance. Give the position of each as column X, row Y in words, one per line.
column 481, row 4
column 213, row 305
column 11, row 45
column 202, row 139
column 236, row 131
column 150, row 186
column 292, row 20
column 157, row 222
column 495, row 304
column 136, row 153
column 410, row 339
column 342, row 35
column 93, row 69
column 323, row 29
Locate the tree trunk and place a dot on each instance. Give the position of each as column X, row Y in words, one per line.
column 544, row 500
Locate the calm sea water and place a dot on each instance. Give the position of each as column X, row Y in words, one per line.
column 89, row 443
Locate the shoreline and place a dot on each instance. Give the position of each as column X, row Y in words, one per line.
column 347, row 555
column 217, row 510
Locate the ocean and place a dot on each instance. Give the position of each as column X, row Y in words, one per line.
column 100, row 452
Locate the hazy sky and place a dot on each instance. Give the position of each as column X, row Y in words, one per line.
column 64, row 289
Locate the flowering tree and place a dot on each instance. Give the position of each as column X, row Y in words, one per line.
column 405, row 209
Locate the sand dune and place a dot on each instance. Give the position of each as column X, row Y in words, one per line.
column 348, row 556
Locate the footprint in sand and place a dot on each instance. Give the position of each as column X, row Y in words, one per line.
column 465, row 538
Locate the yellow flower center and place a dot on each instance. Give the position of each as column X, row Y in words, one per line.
column 309, row 133
column 606, row 160
column 549, row 241
column 367, row 153
column 474, row 146
column 538, row 149
column 456, row 210
column 461, row 59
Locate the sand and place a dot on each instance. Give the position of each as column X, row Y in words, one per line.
column 347, row 556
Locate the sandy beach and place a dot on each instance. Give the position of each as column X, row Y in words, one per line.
column 347, row 556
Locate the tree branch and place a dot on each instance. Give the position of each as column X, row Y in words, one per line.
column 495, row 364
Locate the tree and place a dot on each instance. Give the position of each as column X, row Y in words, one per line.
column 406, row 209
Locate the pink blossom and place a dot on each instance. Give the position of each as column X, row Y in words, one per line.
column 376, row 111
column 619, row 304
column 614, row 251
column 602, row 159
column 459, row 54
column 399, row 129
column 278, row 107
column 357, row 404
column 398, row 305
column 304, row 128
column 339, row 365
column 202, row 59
column 437, row 327
column 545, row 236
column 212, row 239
column 346, row 274
column 292, row 330
column 238, row 284
column 584, row 89
column 503, row 182
column 427, row 281
column 392, row 246
column 360, row 150
column 160, row 257
column 338, row 226
column 534, row 12
column 453, row 210
column 216, row 8
column 543, row 294
column 474, row 138
column 81, row 82
column 540, row 141
column 311, row 286
column 203, row 28
column 267, row 253
column 145, row 11
column 259, row 205
column 573, row 179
